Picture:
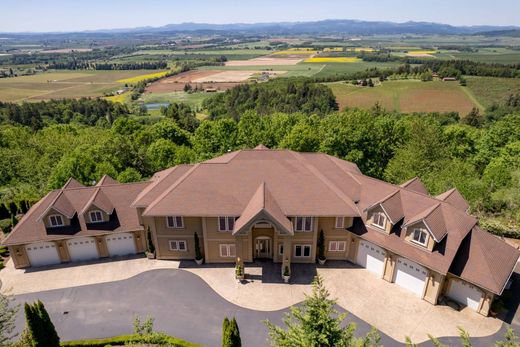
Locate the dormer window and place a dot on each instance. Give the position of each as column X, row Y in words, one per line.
column 226, row 223
column 96, row 216
column 420, row 236
column 175, row 222
column 379, row 220
column 340, row 223
column 56, row 220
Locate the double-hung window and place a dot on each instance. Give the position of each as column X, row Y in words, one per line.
column 175, row 222
column 337, row 246
column 96, row 216
column 55, row 220
column 379, row 220
column 303, row 224
column 420, row 236
column 302, row 251
column 226, row 223
column 340, row 223
column 227, row 250
column 178, row 245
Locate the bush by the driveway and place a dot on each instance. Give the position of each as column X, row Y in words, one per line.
column 160, row 339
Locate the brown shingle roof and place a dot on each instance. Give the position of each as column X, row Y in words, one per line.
column 100, row 200
column 263, row 206
column 485, row 260
column 106, row 180
column 32, row 229
column 392, row 206
column 72, row 183
column 433, row 217
column 60, row 204
column 224, row 185
column 416, row 185
column 455, row 198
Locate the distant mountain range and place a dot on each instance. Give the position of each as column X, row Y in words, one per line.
column 339, row 26
column 331, row 26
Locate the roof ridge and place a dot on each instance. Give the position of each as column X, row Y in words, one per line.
column 329, row 157
column 448, row 193
column 324, row 180
column 93, row 187
column 172, row 187
column 90, row 200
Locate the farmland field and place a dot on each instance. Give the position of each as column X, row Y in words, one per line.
column 489, row 90
column 405, row 96
column 63, row 84
column 332, row 60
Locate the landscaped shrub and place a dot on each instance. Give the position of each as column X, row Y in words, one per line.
column 158, row 338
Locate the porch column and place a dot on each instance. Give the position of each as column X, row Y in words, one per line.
column 287, row 253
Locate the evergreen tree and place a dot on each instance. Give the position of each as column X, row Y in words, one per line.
column 234, row 333
column 51, row 336
column 225, row 332
column 39, row 326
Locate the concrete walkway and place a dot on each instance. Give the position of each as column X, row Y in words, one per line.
column 394, row 311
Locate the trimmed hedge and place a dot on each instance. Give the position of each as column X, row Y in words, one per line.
column 121, row 340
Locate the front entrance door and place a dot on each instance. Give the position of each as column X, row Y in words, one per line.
column 263, row 247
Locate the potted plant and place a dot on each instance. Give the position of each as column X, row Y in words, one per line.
column 198, row 256
column 321, row 248
column 150, row 252
column 286, row 274
column 239, row 272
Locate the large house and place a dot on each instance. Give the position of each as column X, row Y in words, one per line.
column 272, row 204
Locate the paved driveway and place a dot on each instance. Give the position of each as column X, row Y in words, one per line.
column 183, row 305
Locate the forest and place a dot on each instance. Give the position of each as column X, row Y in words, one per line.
column 44, row 144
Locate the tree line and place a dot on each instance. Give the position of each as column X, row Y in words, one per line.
column 74, row 64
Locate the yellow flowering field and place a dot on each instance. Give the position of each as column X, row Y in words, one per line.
column 332, row 60
column 137, row 79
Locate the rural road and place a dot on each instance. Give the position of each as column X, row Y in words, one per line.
column 182, row 304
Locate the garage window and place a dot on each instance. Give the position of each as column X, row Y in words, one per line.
column 340, row 222
column 420, row 236
column 175, row 222
column 55, row 220
column 337, row 246
column 379, row 220
column 302, row 251
column 96, row 216
column 226, row 223
column 303, row 224
column 178, row 245
column 227, row 250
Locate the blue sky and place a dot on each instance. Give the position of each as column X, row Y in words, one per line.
column 71, row 15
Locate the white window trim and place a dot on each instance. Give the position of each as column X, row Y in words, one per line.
column 177, row 243
column 227, row 247
column 425, row 239
column 56, row 216
column 303, row 252
column 383, row 227
column 337, row 248
column 174, row 219
column 342, row 223
column 94, row 212
column 226, row 223
column 304, row 219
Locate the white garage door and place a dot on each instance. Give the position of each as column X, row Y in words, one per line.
column 410, row 275
column 465, row 293
column 43, row 253
column 82, row 248
column 120, row 244
column 371, row 257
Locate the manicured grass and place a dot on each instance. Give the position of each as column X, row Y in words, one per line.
column 489, row 90
column 124, row 340
column 63, row 84
column 405, row 96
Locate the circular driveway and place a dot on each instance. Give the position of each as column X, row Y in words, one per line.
column 182, row 304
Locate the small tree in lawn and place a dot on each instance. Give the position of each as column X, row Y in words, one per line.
column 317, row 323
column 151, row 247
column 198, row 254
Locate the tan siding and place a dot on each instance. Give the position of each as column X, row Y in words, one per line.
column 86, row 215
column 52, row 211
column 434, row 285
column 101, row 244
column 63, row 251
column 328, row 225
column 370, row 216
column 19, row 256
column 389, row 267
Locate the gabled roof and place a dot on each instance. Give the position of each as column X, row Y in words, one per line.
column 433, row 218
column 455, row 198
column 485, row 260
column 106, row 180
column 72, row 183
column 416, row 185
column 60, row 204
column 392, row 206
column 263, row 206
column 101, row 201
